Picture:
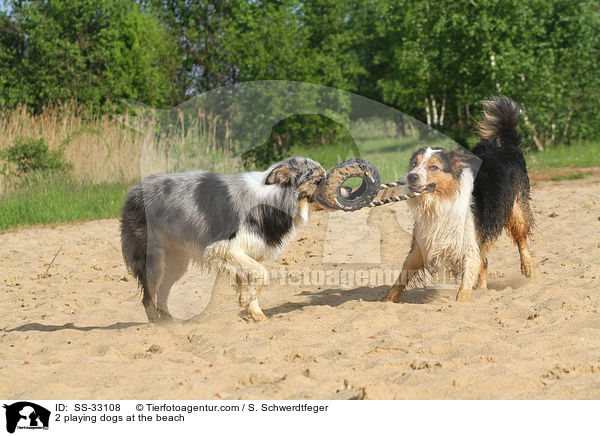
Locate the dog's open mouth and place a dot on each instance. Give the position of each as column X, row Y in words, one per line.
column 422, row 189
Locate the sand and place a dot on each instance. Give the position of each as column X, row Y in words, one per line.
column 80, row 332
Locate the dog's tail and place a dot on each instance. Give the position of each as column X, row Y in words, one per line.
column 500, row 118
column 134, row 237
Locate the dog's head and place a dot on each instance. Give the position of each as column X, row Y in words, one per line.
column 437, row 171
column 299, row 173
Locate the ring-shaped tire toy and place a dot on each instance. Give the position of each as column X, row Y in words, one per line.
column 332, row 193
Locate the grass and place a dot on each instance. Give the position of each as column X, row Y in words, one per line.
column 55, row 201
column 570, row 176
column 111, row 147
column 97, row 145
column 391, row 156
column 577, row 155
column 106, row 156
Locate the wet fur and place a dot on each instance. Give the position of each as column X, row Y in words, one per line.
column 223, row 222
column 475, row 198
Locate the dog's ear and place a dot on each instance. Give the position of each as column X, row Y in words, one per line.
column 459, row 162
column 280, row 175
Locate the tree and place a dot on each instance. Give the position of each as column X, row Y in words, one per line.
column 95, row 52
column 11, row 52
column 437, row 60
column 199, row 28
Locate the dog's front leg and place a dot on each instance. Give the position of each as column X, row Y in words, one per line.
column 250, row 278
column 248, row 293
column 412, row 264
column 248, row 288
column 471, row 267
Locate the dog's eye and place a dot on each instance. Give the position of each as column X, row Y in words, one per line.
column 433, row 168
column 413, row 164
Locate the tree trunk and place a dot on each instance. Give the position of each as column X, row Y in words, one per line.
column 443, row 110
column 413, row 130
column 400, row 128
column 536, row 139
column 435, row 112
column 567, row 124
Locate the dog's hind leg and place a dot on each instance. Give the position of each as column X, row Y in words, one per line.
column 165, row 264
column 471, row 267
column 519, row 227
column 176, row 263
column 482, row 278
column 154, row 273
column 412, row 265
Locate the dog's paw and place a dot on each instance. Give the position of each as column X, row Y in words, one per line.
column 393, row 296
column 254, row 312
column 257, row 316
column 165, row 318
column 388, row 298
column 529, row 270
column 482, row 286
column 463, row 296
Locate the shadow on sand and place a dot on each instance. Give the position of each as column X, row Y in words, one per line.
column 34, row 326
column 336, row 297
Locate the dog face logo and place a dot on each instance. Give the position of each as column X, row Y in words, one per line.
column 26, row 415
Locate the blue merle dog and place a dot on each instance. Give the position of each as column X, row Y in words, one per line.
column 224, row 222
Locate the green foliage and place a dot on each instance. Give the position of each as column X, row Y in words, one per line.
column 433, row 60
column 239, row 40
column 93, row 52
column 10, row 42
column 30, row 154
column 433, row 57
column 261, row 157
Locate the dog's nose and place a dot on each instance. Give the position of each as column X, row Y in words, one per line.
column 412, row 177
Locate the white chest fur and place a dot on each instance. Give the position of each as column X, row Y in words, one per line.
column 445, row 229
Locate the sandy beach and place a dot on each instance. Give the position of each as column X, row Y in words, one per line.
column 80, row 332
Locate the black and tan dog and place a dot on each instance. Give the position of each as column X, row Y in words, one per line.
column 468, row 207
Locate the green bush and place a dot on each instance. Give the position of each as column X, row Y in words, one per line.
column 30, row 154
column 309, row 131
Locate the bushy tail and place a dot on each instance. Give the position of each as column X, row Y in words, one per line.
column 134, row 237
column 500, row 118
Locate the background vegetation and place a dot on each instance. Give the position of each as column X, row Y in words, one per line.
column 67, row 65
